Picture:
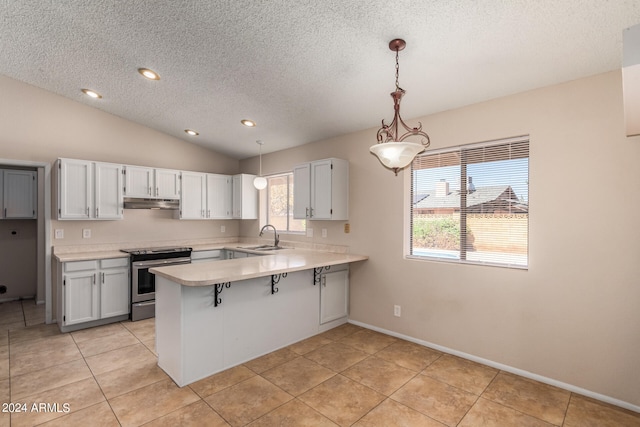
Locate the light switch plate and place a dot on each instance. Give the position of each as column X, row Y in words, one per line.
column 59, row 234
column 324, row 232
column 309, row 232
column 86, row 233
column 223, row 229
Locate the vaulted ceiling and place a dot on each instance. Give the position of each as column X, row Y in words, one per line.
column 302, row 70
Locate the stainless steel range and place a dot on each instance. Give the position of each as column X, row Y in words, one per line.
column 143, row 283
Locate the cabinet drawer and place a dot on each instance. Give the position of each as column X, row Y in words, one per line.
column 114, row 262
column 205, row 254
column 79, row 266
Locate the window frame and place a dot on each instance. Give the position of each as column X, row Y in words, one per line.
column 289, row 176
column 409, row 201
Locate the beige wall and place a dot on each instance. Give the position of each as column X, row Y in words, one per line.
column 573, row 315
column 37, row 125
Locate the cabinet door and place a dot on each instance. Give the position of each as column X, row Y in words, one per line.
column 321, row 189
column 301, row 191
column 245, row 197
column 193, row 195
column 138, row 182
column 218, row 196
column 167, row 183
column 108, row 190
column 114, row 292
column 75, row 189
column 19, row 194
column 80, row 297
column 334, row 296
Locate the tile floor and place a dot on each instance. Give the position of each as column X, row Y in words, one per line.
column 347, row 376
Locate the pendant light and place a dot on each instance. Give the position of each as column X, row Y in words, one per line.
column 259, row 181
column 391, row 149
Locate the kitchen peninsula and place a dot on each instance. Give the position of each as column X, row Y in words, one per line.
column 213, row 315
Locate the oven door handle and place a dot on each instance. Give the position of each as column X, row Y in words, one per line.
column 161, row 262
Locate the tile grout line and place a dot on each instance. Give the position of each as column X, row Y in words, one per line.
column 84, row 359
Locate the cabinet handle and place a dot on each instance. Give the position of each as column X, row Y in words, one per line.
column 102, row 281
column 203, row 214
column 94, row 278
column 306, row 212
column 87, row 211
column 5, row 212
column 209, row 213
column 324, row 281
column 310, row 212
column 157, row 191
column 149, row 190
column 97, row 213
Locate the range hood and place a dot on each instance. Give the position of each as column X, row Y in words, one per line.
column 135, row 203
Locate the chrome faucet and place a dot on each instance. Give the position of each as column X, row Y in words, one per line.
column 276, row 238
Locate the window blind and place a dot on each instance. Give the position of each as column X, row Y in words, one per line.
column 471, row 203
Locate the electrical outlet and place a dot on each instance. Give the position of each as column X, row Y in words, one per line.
column 397, row 310
column 86, row 233
column 223, row 229
column 309, row 232
column 324, row 232
column 59, row 234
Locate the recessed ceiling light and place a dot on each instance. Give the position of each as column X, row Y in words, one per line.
column 149, row 74
column 248, row 123
column 191, row 132
column 91, row 93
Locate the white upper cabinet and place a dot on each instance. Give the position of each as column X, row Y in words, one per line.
column 18, row 194
column 219, row 196
column 321, row 190
column 108, row 191
column 245, row 197
column 301, row 190
column 150, row 183
column 193, row 200
column 89, row 190
column 75, row 189
column 167, row 183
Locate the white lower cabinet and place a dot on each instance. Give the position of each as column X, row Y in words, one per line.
column 334, row 295
column 204, row 256
column 93, row 292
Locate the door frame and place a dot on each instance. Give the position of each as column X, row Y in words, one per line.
column 43, row 239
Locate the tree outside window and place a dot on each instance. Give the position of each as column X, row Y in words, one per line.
column 280, row 204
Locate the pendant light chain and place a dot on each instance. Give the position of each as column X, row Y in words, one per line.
column 397, row 70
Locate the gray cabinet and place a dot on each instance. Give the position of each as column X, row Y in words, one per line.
column 17, row 194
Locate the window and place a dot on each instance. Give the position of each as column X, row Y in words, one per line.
column 471, row 204
column 280, row 204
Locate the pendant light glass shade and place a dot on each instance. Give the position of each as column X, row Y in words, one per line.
column 396, row 155
column 259, row 181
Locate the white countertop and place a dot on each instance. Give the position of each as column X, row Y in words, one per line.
column 232, row 270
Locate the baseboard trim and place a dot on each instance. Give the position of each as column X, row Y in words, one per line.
column 506, row 368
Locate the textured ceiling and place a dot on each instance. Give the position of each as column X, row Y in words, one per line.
column 303, row 70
